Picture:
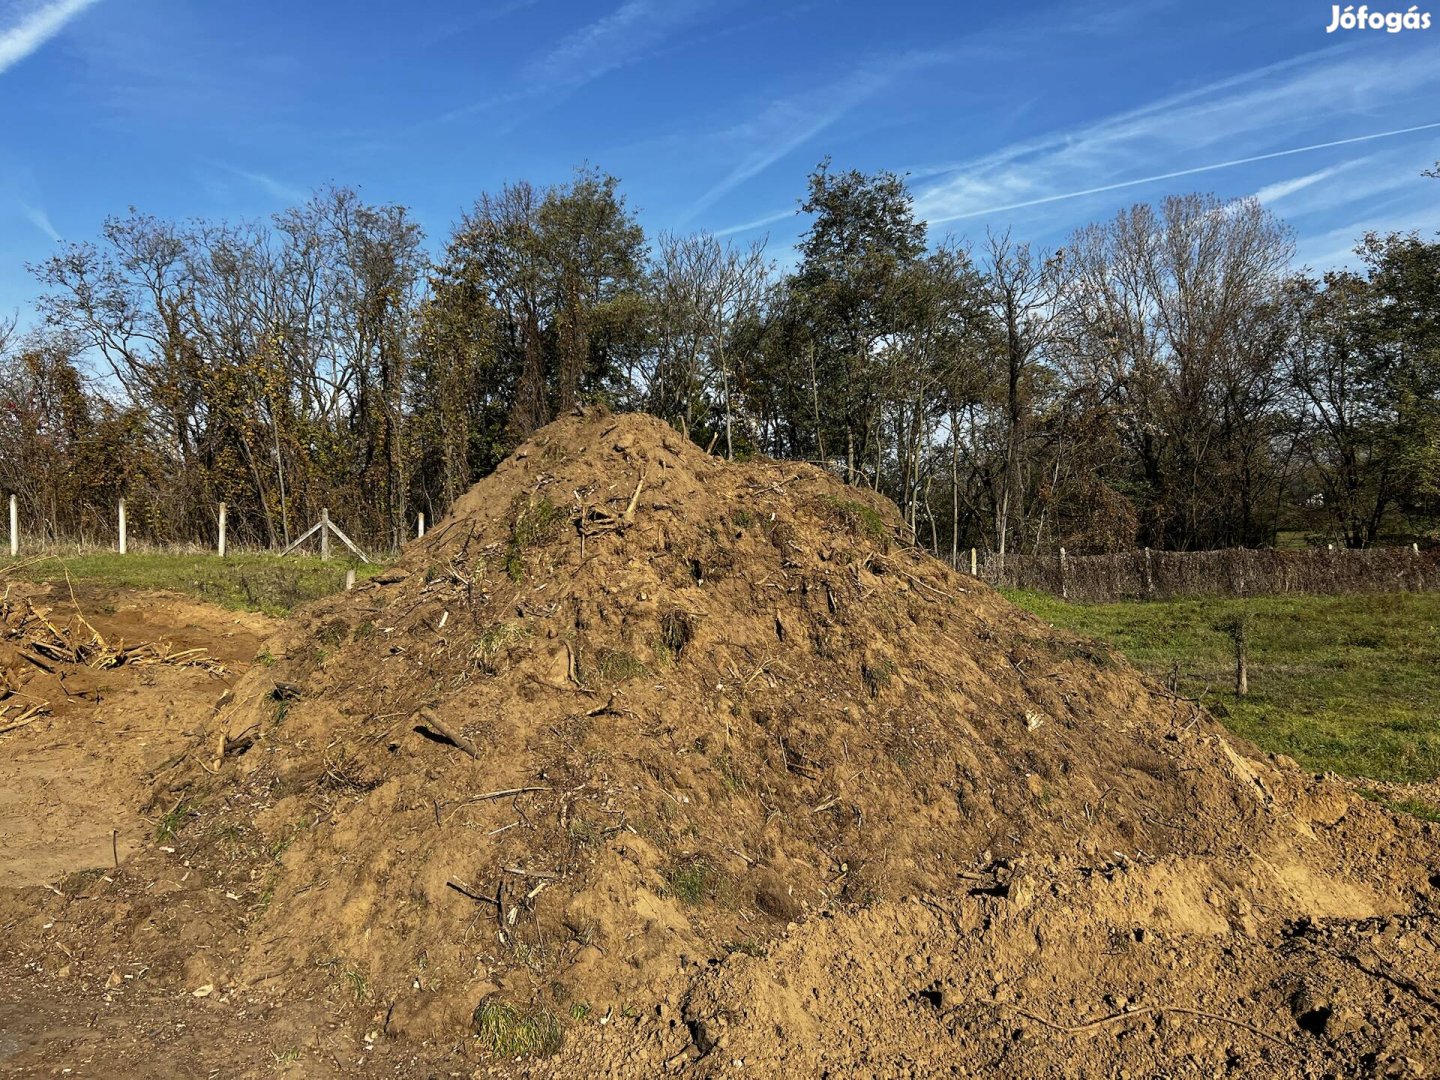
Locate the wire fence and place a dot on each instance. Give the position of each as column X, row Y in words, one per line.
column 118, row 538
column 1144, row 574
column 1162, row 575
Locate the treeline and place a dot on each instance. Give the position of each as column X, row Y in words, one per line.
column 1165, row 379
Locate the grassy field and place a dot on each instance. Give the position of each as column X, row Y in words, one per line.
column 251, row 582
column 1348, row 684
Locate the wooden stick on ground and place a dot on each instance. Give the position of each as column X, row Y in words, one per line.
column 28, row 717
column 629, row 516
column 467, row 891
column 501, row 794
column 455, row 737
column 1150, row 1010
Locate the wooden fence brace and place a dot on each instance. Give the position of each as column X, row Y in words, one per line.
column 325, row 527
column 14, row 526
column 220, row 545
column 122, row 526
column 344, row 539
column 303, row 537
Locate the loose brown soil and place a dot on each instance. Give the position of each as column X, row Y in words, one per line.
column 647, row 763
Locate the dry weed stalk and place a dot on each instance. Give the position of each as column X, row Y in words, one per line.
column 48, row 646
column 44, row 643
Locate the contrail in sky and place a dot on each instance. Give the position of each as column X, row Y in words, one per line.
column 33, row 30
column 1184, row 172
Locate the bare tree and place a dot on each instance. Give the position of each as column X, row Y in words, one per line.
column 1022, row 285
column 703, row 290
column 1164, row 314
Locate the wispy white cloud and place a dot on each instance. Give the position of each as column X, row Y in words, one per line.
column 1175, row 174
column 475, row 15
column 785, row 126
column 615, row 40
column 1244, row 112
column 41, row 220
column 277, row 189
column 1375, row 181
column 1281, row 190
column 607, row 43
column 33, row 25
column 758, row 223
column 1335, row 247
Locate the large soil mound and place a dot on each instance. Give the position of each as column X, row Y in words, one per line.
column 636, row 727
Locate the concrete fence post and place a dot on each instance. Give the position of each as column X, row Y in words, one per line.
column 349, row 579
column 325, row 534
column 420, row 525
column 1064, row 588
column 220, row 540
column 974, row 564
column 14, row 526
column 122, row 526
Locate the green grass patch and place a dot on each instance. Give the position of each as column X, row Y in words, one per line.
column 731, row 773
column 495, row 640
column 533, row 522
column 1345, row 684
column 861, row 519
column 358, row 984
column 694, row 882
column 877, row 674
column 170, row 825
column 506, row 1031
column 618, row 666
column 748, row 946
column 1420, row 808
column 248, row 582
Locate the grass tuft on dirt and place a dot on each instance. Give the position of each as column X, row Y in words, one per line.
column 534, row 521
column 863, row 520
column 509, row 1032
column 694, row 882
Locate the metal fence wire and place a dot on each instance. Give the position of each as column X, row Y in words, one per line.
column 1161, row 575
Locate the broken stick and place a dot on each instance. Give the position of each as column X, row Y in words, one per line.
column 629, row 516
column 454, row 737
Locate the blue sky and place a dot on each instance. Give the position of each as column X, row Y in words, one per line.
column 1039, row 117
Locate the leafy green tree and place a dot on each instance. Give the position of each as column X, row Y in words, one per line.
column 1405, row 279
column 849, row 287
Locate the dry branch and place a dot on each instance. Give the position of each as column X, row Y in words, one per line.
column 1149, row 1010
column 455, row 738
column 44, row 644
column 29, row 716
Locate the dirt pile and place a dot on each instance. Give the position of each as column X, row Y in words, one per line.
column 710, row 752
